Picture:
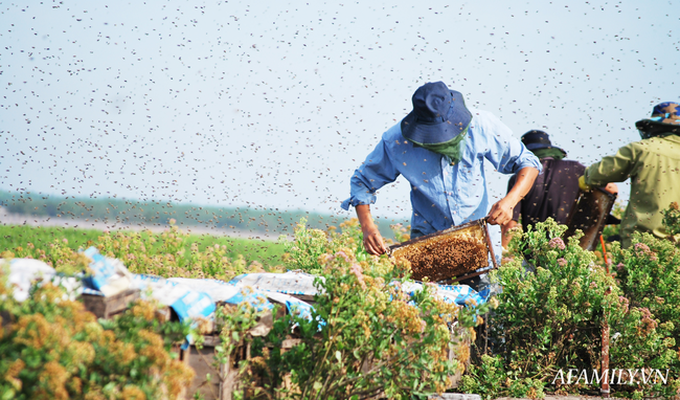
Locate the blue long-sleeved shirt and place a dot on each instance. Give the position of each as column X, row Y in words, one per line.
column 442, row 195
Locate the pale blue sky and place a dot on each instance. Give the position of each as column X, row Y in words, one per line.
column 273, row 104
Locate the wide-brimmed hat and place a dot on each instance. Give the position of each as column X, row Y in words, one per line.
column 439, row 114
column 537, row 140
column 666, row 110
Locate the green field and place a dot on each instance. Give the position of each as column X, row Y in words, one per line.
column 254, row 220
column 12, row 237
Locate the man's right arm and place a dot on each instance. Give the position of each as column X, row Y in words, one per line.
column 616, row 168
column 376, row 171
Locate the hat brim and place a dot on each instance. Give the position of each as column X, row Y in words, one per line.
column 652, row 128
column 539, row 146
column 429, row 132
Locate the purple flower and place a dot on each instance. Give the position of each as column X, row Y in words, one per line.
column 358, row 272
column 342, row 254
column 642, row 246
column 562, row 262
column 556, row 243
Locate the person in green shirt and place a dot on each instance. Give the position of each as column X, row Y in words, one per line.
column 653, row 166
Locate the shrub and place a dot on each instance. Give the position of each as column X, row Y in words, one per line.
column 365, row 335
column 671, row 219
column 172, row 253
column 553, row 308
column 52, row 349
column 552, row 318
column 305, row 251
column 490, row 379
column 649, row 274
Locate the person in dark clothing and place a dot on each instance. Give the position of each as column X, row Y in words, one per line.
column 554, row 192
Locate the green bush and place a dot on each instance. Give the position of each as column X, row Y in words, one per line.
column 552, row 310
column 671, row 218
column 490, row 379
column 53, row 349
column 365, row 337
column 649, row 274
column 552, row 318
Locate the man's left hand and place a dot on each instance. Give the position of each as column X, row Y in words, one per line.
column 501, row 212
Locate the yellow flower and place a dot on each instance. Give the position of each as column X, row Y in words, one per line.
column 154, row 349
column 179, row 378
column 12, row 373
column 75, row 385
column 144, row 309
column 83, row 353
column 52, row 381
column 132, row 392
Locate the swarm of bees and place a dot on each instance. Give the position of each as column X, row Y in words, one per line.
column 445, row 257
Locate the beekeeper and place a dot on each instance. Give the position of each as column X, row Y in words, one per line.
column 653, row 166
column 440, row 148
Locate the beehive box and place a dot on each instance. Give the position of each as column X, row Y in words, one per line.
column 456, row 252
column 107, row 307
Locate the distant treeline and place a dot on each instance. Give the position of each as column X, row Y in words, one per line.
column 157, row 213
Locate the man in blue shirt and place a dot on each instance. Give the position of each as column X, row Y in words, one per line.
column 440, row 149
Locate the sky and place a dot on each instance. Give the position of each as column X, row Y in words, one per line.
column 274, row 104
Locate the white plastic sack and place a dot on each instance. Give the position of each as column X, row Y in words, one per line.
column 291, row 282
column 23, row 272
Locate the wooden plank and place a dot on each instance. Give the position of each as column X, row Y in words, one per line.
column 202, row 362
column 288, row 344
column 106, row 307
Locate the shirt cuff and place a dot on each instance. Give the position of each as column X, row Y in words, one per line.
column 533, row 162
column 528, row 160
column 354, row 201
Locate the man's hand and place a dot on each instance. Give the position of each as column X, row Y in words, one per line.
column 501, row 212
column 373, row 241
column 612, row 188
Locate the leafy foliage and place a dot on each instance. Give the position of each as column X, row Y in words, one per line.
column 551, row 318
column 649, row 274
column 53, row 349
column 555, row 302
column 172, row 253
column 365, row 336
column 490, row 379
column 671, row 218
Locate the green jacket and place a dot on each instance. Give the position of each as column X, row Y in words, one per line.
column 654, row 168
